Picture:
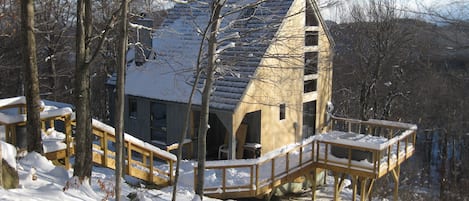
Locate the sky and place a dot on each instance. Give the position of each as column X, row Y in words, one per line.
column 456, row 8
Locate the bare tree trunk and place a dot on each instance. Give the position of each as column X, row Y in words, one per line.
column 1, row 166
column 119, row 120
column 83, row 156
column 214, row 22
column 53, row 77
column 31, row 80
column 187, row 117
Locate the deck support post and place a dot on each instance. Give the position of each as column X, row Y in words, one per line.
column 338, row 184
column 354, row 187
column 313, row 177
column 395, row 174
column 363, row 181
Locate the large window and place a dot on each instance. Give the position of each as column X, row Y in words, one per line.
column 311, row 19
column 132, row 108
column 158, row 120
column 309, row 118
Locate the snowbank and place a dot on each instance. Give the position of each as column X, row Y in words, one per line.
column 9, row 153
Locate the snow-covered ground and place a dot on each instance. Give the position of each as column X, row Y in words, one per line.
column 53, row 183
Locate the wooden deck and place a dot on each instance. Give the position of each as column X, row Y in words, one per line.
column 268, row 173
column 257, row 177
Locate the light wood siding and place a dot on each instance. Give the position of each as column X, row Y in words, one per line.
column 324, row 79
column 279, row 80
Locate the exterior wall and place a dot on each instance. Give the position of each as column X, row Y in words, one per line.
column 140, row 126
column 324, row 79
column 278, row 80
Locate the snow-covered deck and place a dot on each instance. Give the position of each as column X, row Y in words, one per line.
column 384, row 144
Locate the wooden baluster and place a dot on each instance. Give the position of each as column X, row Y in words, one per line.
column 223, row 181
column 257, row 179
column 129, row 157
column 104, row 146
column 68, row 140
column 151, row 168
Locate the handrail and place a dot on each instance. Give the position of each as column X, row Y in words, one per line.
column 140, row 157
column 282, row 165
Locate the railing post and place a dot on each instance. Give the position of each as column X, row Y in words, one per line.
column 223, row 181
column 257, row 179
column 68, row 136
column 151, row 167
column 272, row 176
column 300, row 160
column 251, row 180
column 129, row 157
column 171, row 167
column 104, row 146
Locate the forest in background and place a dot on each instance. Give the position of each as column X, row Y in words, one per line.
column 410, row 70
column 392, row 68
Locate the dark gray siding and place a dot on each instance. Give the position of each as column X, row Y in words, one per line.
column 140, row 126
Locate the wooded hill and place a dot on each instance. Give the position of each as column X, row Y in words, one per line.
column 405, row 69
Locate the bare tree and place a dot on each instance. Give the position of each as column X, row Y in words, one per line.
column 33, row 102
column 119, row 121
column 84, row 57
column 376, row 56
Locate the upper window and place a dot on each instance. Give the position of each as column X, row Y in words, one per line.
column 310, row 86
column 282, row 111
column 311, row 63
column 132, row 108
column 311, row 19
column 311, row 38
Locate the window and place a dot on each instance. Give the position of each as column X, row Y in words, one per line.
column 158, row 122
column 132, row 108
column 311, row 63
column 310, row 85
column 309, row 118
column 282, row 111
column 310, row 16
column 311, row 38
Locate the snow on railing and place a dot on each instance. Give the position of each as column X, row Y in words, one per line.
column 371, row 148
column 257, row 176
column 143, row 160
column 391, row 144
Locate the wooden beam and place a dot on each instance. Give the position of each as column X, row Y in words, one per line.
column 396, row 174
column 354, row 187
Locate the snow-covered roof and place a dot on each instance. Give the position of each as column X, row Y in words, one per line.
column 177, row 42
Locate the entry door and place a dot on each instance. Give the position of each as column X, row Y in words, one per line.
column 158, row 123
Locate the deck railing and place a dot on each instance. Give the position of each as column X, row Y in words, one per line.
column 384, row 157
column 253, row 177
column 142, row 160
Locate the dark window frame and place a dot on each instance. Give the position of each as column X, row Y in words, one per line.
column 311, row 19
column 133, row 108
column 310, row 85
column 311, row 63
column 159, row 122
column 311, row 38
column 282, row 111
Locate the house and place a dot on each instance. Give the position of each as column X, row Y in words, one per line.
column 272, row 89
